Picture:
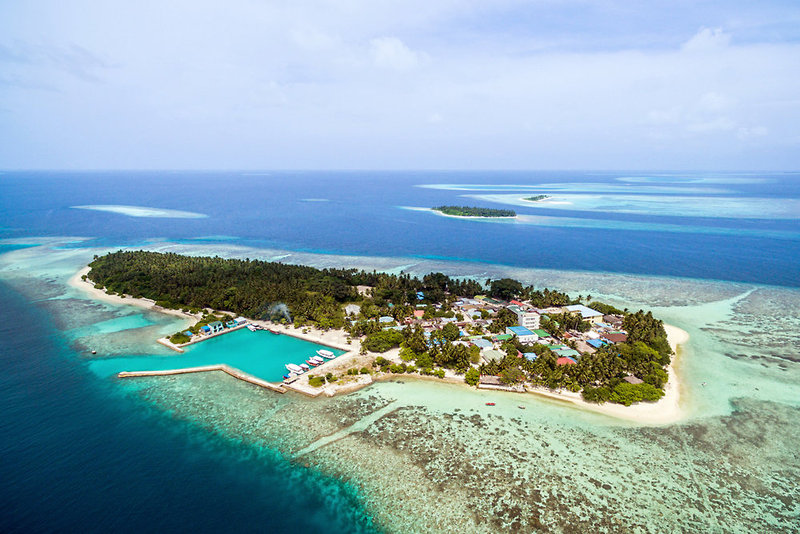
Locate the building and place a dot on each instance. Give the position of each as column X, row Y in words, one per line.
column 616, row 337
column 630, row 379
column 522, row 333
column 215, row 327
column 565, row 361
column 385, row 319
column 240, row 320
column 491, row 355
column 587, row 314
column 568, row 353
column 352, row 309
column 481, row 343
column 527, row 319
column 541, row 333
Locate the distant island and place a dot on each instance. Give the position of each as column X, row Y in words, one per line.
column 537, row 198
column 497, row 335
column 473, row 211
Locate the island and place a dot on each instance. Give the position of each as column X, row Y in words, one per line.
column 499, row 334
column 537, row 198
column 473, row 211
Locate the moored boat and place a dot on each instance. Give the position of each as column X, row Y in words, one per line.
column 489, row 404
column 326, row 354
column 304, row 367
column 294, row 368
column 317, row 359
column 312, row 363
column 251, row 328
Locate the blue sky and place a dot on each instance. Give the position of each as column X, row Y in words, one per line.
column 348, row 84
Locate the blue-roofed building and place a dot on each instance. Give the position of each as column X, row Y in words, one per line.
column 188, row 333
column 530, row 356
column 420, row 295
column 481, row 343
column 216, row 327
column 522, row 333
column 596, row 343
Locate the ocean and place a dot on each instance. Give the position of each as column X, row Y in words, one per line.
column 716, row 254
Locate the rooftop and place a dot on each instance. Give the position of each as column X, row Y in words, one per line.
column 585, row 311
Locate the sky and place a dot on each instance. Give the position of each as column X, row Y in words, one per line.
column 413, row 84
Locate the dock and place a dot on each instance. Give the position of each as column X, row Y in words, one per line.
column 235, row 373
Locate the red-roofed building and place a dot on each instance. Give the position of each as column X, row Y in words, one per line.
column 616, row 338
column 419, row 313
column 565, row 361
column 517, row 303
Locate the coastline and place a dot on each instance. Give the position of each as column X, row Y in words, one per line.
column 86, row 286
column 664, row 411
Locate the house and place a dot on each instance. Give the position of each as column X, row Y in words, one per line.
column 215, row 327
column 491, row 355
column 530, row 356
column 541, row 333
column 522, row 333
column 188, row 333
column 481, row 343
column 240, row 320
column 565, row 361
column 231, row 324
column 419, row 314
column 502, row 337
column 488, row 380
column 568, row 353
column 596, row 343
column 616, row 337
column 587, row 314
column 385, row 319
column 630, row 379
column 352, row 309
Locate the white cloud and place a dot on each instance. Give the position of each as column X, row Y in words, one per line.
column 707, row 39
column 749, row 133
column 392, row 53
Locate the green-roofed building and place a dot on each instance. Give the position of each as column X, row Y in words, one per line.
column 541, row 333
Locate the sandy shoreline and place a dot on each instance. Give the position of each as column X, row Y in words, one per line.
column 77, row 282
column 666, row 410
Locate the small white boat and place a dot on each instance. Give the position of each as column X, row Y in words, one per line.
column 317, row 360
column 294, row 368
column 304, row 366
column 326, row 354
column 251, row 328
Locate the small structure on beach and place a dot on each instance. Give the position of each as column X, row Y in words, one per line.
column 215, row 327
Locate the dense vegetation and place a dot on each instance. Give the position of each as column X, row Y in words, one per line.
column 537, row 198
column 268, row 290
column 473, row 211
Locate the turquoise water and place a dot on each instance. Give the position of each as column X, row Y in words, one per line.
column 261, row 354
column 411, row 455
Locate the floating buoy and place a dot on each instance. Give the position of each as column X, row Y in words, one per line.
column 94, row 352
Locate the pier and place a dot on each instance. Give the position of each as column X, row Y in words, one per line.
column 236, row 373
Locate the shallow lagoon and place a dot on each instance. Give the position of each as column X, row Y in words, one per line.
column 261, row 354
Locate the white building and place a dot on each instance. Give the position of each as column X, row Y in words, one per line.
column 528, row 319
column 587, row 314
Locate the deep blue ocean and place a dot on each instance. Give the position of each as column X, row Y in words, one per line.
column 77, row 455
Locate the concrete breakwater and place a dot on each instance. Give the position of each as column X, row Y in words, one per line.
column 236, row 373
